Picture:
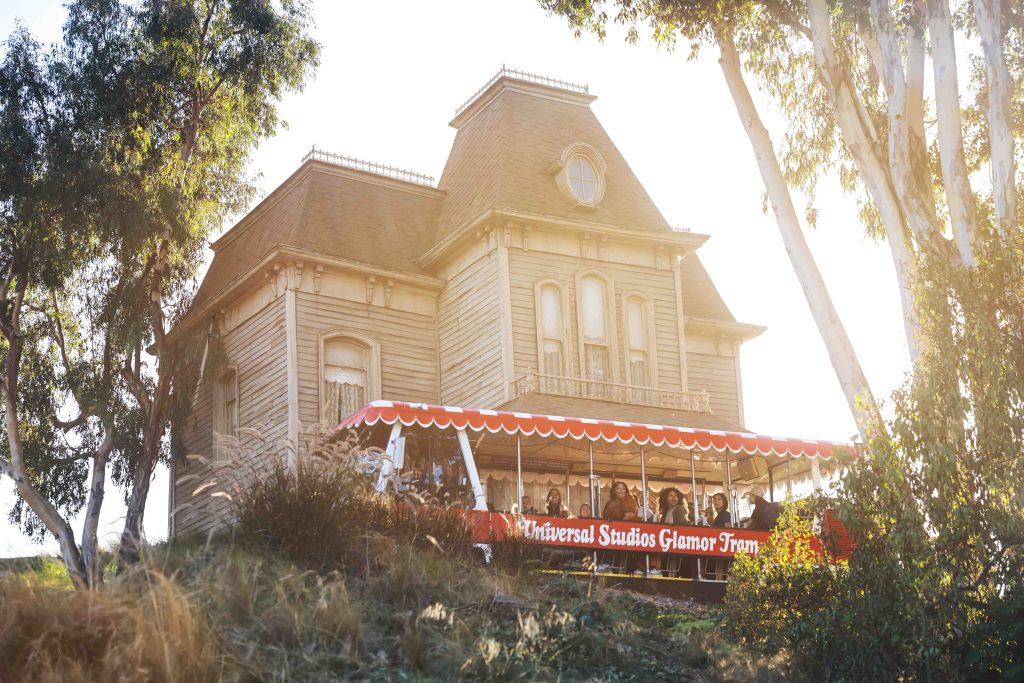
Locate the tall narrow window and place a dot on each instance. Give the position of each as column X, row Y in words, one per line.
column 551, row 331
column 595, row 320
column 346, row 379
column 637, row 352
column 225, row 419
column 597, row 359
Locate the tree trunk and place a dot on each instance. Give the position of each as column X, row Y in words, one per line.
column 960, row 198
column 131, row 537
column 844, row 360
column 860, row 139
column 90, row 539
column 1000, row 114
column 38, row 503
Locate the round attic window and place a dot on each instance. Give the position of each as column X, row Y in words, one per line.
column 582, row 178
column 579, row 172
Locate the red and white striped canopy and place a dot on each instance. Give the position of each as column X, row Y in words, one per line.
column 581, row 428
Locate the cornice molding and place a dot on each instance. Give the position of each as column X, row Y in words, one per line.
column 284, row 255
column 687, row 241
column 733, row 330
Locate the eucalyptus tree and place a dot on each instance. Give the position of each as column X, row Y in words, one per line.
column 49, row 231
column 937, row 175
column 850, row 79
column 123, row 149
column 190, row 102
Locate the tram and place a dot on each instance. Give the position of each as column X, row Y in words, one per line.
column 494, row 463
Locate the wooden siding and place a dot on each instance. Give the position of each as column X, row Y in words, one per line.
column 527, row 268
column 257, row 350
column 716, row 375
column 469, row 334
column 408, row 348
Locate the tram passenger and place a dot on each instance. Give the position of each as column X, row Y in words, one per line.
column 672, row 510
column 718, row 567
column 622, row 507
column 528, row 508
column 765, row 514
column 722, row 516
column 555, row 507
column 585, row 510
column 670, row 507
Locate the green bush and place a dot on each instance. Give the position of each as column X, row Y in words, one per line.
column 865, row 620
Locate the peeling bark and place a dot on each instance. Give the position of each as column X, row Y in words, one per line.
column 844, row 360
column 861, row 140
column 1000, row 114
column 962, row 209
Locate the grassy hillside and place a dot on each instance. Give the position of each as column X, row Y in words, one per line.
column 223, row 612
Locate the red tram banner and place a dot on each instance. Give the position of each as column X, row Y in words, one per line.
column 644, row 537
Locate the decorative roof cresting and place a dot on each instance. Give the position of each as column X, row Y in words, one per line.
column 514, row 74
column 369, row 167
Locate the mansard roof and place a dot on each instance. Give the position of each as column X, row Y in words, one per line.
column 330, row 210
column 509, row 135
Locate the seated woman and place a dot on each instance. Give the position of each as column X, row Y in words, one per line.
column 722, row 516
column 718, row 567
column 621, row 508
column 555, row 507
column 672, row 510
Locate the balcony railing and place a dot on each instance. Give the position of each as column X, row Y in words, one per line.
column 574, row 387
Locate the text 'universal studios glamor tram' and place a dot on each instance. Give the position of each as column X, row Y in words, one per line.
column 483, row 460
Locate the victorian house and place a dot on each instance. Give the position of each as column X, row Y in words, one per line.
column 537, row 275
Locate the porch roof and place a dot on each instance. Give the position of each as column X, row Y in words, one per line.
column 580, row 428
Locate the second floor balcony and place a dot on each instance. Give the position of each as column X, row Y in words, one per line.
column 574, row 387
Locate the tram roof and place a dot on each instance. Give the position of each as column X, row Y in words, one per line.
column 588, row 429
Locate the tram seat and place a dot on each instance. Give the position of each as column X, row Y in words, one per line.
column 835, row 537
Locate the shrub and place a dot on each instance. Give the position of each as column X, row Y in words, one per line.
column 865, row 620
column 326, row 514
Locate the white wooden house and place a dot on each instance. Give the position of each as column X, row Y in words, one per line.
column 537, row 275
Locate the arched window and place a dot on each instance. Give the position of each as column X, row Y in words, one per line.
column 638, row 335
column 594, row 304
column 225, row 404
column 349, row 371
column 552, row 335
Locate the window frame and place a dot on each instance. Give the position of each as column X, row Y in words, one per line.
column 610, row 319
column 372, row 348
column 566, row 334
column 560, row 169
column 651, row 349
column 227, row 377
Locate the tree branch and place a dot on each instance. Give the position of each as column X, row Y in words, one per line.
column 784, row 16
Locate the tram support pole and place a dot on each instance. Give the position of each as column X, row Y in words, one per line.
column 728, row 483
column 479, row 497
column 519, row 474
column 643, row 488
column 693, row 490
column 593, row 504
column 816, row 474
column 789, row 477
column 387, row 466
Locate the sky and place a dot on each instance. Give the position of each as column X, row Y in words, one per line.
column 391, row 77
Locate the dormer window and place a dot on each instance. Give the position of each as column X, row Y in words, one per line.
column 579, row 173
column 582, row 179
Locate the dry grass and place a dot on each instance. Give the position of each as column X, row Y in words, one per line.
column 322, row 580
column 143, row 629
